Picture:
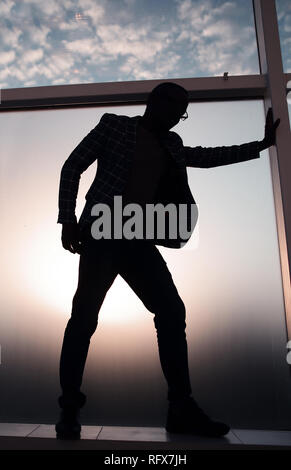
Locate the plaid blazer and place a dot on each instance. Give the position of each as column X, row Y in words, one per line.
column 112, row 143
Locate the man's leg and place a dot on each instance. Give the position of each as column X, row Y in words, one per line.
column 144, row 269
column 97, row 272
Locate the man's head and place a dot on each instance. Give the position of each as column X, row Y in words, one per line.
column 166, row 104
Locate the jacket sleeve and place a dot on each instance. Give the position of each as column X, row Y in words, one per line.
column 208, row 157
column 87, row 151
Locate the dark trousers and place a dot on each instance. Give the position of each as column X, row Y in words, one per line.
column 142, row 266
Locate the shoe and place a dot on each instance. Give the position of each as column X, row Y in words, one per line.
column 68, row 427
column 188, row 418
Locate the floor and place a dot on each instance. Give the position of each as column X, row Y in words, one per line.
column 42, row 436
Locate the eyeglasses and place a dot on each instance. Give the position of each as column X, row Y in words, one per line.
column 185, row 116
column 167, row 100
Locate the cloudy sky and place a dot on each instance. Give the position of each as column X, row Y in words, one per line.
column 52, row 42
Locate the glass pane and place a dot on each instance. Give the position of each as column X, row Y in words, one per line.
column 47, row 42
column 229, row 279
column 289, row 101
column 283, row 8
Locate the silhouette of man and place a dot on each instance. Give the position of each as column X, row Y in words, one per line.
column 139, row 158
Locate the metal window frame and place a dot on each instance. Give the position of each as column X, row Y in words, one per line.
column 270, row 85
column 270, row 59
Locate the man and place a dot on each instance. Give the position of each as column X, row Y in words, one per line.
column 140, row 159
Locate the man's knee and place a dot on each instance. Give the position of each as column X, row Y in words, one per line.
column 81, row 328
column 85, row 310
column 172, row 315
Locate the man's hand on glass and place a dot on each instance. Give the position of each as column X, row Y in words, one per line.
column 70, row 237
column 270, row 131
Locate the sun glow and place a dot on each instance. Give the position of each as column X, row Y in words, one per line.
column 51, row 274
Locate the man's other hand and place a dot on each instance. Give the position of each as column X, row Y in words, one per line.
column 70, row 237
column 270, row 130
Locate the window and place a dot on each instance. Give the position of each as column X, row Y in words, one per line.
column 230, row 280
column 283, row 8
column 50, row 42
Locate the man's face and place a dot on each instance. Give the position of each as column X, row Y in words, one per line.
column 167, row 108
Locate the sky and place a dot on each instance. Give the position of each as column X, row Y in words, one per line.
column 53, row 42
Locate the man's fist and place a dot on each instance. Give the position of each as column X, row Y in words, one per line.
column 270, row 130
column 70, row 237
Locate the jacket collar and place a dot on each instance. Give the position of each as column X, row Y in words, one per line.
column 136, row 120
column 165, row 139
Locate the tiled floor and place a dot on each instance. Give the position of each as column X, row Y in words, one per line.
column 13, row 435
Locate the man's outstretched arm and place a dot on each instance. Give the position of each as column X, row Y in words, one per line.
column 208, row 157
column 88, row 150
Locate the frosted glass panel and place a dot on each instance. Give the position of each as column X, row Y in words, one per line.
column 228, row 276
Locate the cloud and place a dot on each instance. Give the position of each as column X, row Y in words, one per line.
column 5, row 7
column 38, row 35
column 220, row 40
column 287, row 24
column 84, row 47
column 33, row 55
column 129, row 41
column 10, row 37
column 72, row 25
column 161, row 67
column 47, row 7
column 135, row 41
column 7, row 57
column 93, row 10
column 59, row 64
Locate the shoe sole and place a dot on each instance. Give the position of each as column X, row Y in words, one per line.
column 68, row 436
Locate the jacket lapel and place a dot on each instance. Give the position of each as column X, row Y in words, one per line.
column 166, row 141
column 130, row 139
column 171, row 146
